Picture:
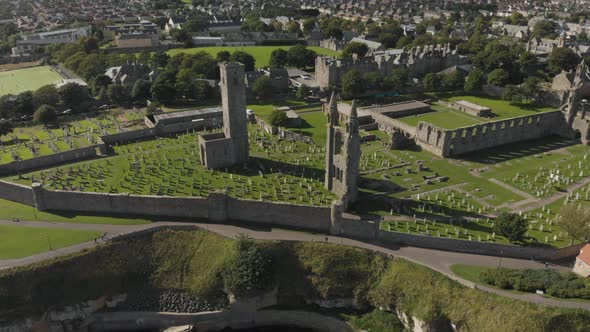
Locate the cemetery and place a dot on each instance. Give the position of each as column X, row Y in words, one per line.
column 413, row 190
column 37, row 140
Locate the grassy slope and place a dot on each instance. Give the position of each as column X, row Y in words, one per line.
column 20, row 80
column 17, row 242
column 9, row 210
column 260, row 53
column 192, row 261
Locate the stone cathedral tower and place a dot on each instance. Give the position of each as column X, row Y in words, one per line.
column 343, row 153
column 229, row 148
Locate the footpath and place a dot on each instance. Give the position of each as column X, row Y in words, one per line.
column 440, row 261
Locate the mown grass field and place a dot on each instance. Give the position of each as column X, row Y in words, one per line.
column 18, row 241
column 27, row 79
column 443, row 117
column 260, row 53
column 502, row 108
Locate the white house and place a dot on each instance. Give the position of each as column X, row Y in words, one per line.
column 582, row 266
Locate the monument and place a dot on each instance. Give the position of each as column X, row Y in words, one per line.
column 343, row 153
column 230, row 147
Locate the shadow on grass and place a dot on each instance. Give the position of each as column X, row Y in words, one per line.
column 257, row 166
column 519, row 150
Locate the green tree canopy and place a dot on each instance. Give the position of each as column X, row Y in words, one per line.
column 475, row 81
column 245, row 58
column 511, row 226
column 46, row 95
column 563, row 59
column 353, row 84
column 278, row 58
column 575, row 221
column 498, row 77
column 45, row 114
column 278, row 118
column 357, row 48
column 263, row 87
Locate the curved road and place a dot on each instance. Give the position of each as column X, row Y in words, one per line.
column 440, row 261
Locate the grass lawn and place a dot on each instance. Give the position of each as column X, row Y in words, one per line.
column 314, row 125
column 502, row 108
column 260, row 53
column 9, row 210
column 20, row 80
column 443, row 117
column 469, row 272
column 263, row 109
column 18, row 241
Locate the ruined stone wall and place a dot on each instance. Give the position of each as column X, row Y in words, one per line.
column 496, row 133
column 17, row 193
column 447, row 143
column 27, row 165
column 128, row 136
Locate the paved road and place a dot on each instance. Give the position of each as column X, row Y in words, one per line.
column 440, row 261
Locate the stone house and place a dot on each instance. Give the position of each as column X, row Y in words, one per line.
column 130, row 72
column 582, row 265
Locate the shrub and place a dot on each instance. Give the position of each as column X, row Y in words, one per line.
column 278, row 118
column 250, row 270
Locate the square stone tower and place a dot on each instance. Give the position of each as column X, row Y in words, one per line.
column 343, row 153
column 221, row 150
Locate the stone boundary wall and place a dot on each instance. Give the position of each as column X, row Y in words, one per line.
column 473, row 247
column 27, row 165
column 448, row 143
column 17, row 193
column 128, row 136
column 279, row 214
column 220, row 208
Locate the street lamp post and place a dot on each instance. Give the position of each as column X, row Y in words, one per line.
column 584, row 103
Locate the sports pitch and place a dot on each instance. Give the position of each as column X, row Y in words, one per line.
column 27, row 79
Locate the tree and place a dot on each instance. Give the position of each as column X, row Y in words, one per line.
column 163, row 89
column 118, row 94
column 563, row 59
column 511, row 226
column 544, row 29
column 245, row 58
column 23, row 104
column 185, row 84
column 432, row 81
column 6, row 127
column 308, row 25
column 453, row 80
column 278, row 58
column 223, row 56
column 475, row 81
column 575, row 221
column 72, row 95
column 250, row 271
column 398, row 78
column 160, row 59
column 45, row 114
column 141, row 90
column 360, row 49
column 278, row 118
column 353, row 84
column 144, row 57
column 46, row 95
column 262, row 87
column 99, row 82
column 7, row 106
column 531, row 89
column 302, row 92
column 498, row 77
column 301, row 57
column 527, row 59
column 512, row 93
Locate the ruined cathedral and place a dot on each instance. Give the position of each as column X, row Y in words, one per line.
column 230, row 147
column 343, row 153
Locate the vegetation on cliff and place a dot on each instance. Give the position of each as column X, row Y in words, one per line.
column 195, row 262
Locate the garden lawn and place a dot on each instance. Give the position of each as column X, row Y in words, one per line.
column 27, row 79
column 314, row 125
column 502, row 108
column 18, row 241
column 9, row 210
column 260, row 53
column 443, row 117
